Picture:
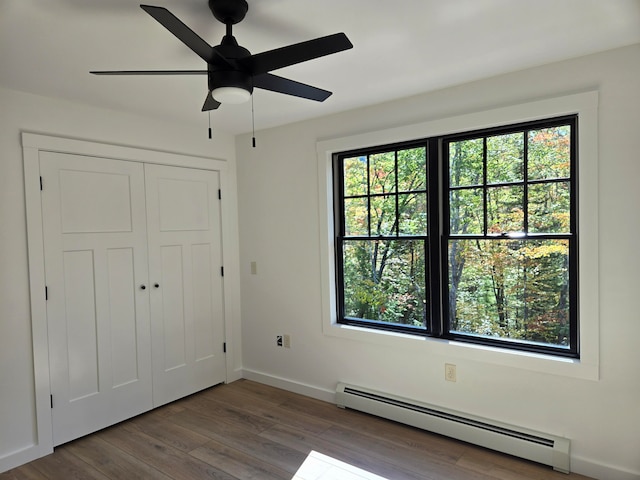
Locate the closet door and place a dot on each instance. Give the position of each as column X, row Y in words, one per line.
column 97, row 310
column 185, row 262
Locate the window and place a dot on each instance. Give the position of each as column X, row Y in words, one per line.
column 383, row 248
column 470, row 237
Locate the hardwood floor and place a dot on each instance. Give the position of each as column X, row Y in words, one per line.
column 246, row 430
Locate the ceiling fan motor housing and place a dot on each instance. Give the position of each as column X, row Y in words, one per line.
column 229, row 78
column 222, row 74
column 229, row 12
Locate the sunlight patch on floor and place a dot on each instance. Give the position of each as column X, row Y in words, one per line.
column 322, row 467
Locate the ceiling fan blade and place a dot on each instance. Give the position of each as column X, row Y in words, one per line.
column 150, row 72
column 268, row 81
column 210, row 103
column 299, row 52
column 183, row 33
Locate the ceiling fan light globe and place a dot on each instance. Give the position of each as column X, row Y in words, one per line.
column 233, row 95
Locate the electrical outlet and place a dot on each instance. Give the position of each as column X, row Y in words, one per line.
column 450, row 372
column 286, row 341
column 279, row 340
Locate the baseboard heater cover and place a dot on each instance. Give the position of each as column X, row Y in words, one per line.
column 520, row 442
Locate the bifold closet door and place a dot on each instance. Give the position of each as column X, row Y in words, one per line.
column 185, row 276
column 95, row 238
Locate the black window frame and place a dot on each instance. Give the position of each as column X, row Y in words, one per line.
column 339, row 196
column 437, row 324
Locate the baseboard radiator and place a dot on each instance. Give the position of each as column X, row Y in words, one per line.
column 520, row 442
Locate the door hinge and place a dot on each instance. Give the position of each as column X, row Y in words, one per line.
column 224, row 347
column 46, row 293
column 40, row 183
column 219, row 194
column 222, row 271
column 51, row 400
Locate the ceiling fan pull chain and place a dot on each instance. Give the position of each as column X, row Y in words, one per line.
column 209, row 124
column 253, row 124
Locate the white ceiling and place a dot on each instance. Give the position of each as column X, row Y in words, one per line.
column 401, row 48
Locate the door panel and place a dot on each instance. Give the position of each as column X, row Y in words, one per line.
column 124, row 351
column 203, row 310
column 95, row 262
column 83, row 196
column 185, row 252
column 183, row 204
column 171, row 317
column 81, row 329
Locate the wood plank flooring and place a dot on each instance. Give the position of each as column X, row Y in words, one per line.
column 246, row 430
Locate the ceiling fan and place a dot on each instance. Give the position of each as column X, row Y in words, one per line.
column 232, row 71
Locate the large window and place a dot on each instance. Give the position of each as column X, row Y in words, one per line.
column 469, row 236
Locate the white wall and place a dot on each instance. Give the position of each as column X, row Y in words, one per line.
column 23, row 112
column 280, row 230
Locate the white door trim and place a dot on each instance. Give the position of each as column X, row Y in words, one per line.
column 117, row 152
column 32, row 145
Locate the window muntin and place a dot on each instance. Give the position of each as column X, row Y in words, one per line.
column 501, row 255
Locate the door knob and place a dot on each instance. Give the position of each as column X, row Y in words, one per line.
column 143, row 287
column 156, row 285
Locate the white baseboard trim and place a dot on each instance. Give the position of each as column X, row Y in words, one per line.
column 22, row 456
column 290, row 385
column 601, row 471
column 233, row 375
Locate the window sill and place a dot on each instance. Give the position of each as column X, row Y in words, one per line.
column 427, row 346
